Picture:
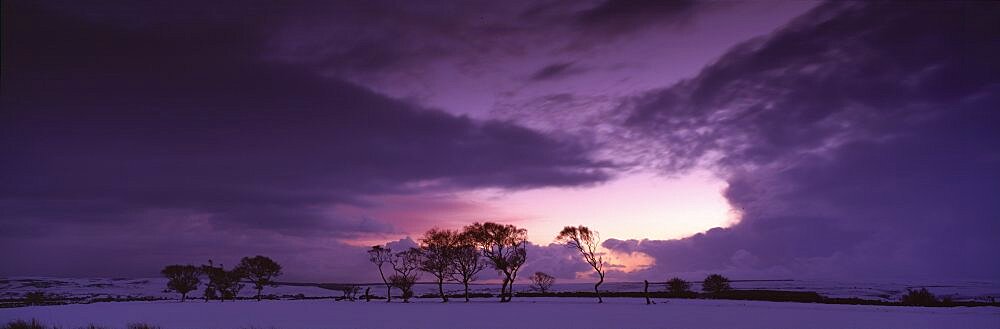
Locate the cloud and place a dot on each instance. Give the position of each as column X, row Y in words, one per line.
column 379, row 40
column 554, row 259
column 623, row 16
column 856, row 142
column 556, row 71
column 111, row 122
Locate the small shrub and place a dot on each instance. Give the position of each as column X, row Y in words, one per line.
column 920, row 297
column 540, row 281
column 35, row 298
column 677, row 286
column 715, row 283
column 350, row 292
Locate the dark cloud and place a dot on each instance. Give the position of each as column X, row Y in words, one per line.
column 622, row 16
column 556, row 71
column 377, row 40
column 109, row 121
column 859, row 140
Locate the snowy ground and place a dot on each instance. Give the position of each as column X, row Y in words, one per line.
column 487, row 313
column 89, row 288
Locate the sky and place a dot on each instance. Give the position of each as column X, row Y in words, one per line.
column 762, row 140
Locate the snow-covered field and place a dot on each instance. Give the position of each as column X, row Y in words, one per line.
column 88, row 288
column 487, row 313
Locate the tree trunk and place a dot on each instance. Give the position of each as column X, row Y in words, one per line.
column 503, row 290
column 597, row 291
column 506, row 292
column 466, row 282
column 259, row 292
column 388, row 288
column 646, row 291
column 510, row 287
column 183, row 297
column 444, row 299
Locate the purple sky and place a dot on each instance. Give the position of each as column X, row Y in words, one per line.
column 757, row 139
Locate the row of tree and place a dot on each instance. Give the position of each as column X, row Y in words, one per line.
column 447, row 255
column 714, row 283
column 459, row 255
column 223, row 284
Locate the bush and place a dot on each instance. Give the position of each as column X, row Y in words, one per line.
column 35, row 298
column 540, row 281
column 715, row 283
column 677, row 286
column 920, row 297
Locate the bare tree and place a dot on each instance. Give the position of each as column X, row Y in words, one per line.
column 541, row 281
column 182, row 278
column 405, row 264
column 504, row 247
column 438, row 248
column 466, row 261
column 586, row 242
column 261, row 271
column 378, row 255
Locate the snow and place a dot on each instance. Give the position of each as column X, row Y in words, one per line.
column 17, row 287
column 487, row 313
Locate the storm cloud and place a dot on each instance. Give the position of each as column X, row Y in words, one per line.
column 858, row 141
column 115, row 125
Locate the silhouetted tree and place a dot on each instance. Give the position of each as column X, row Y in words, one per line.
column 466, row 261
column 541, row 281
column 405, row 263
column 504, row 247
column 211, row 290
column 438, row 248
column 921, row 297
column 234, row 283
column 586, row 242
column 678, row 287
column 378, row 255
column 182, row 279
column 261, row 271
column 715, row 283
column 227, row 284
column 350, row 292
